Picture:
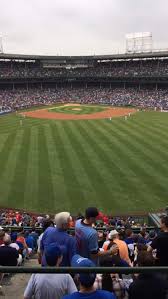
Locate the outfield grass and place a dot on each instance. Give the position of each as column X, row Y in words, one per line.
column 118, row 165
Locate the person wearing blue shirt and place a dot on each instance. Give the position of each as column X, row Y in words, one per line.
column 29, row 240
column 129, row 236
column 86, row 282
column 60, row 237
column 87, row 237
column 35, row 236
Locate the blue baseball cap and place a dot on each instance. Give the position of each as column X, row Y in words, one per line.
column 86, row 279
column 52, row 253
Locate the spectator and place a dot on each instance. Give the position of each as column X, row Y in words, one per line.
column 160, row 243
column 152, row 236
column 46, row 223
column 59, row 236
column 2, row 234
column 29, row 241
column 50, row 286
column 123, row 249
column 129, row 236
column 87, row 237
column 35, row 236
column 110, row 282
column 86, row 289
column 22, row 245
column 150, row 285
column 8, row 255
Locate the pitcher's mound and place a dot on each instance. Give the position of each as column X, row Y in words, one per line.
column 77, row 109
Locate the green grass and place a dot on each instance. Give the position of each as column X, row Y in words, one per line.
column 84, row 109
column 118, row 166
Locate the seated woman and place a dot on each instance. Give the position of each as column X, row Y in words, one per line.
column 112, row 282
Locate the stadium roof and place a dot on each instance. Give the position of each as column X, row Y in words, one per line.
column 156, row 54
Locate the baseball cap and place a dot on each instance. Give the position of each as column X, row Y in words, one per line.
column 112, row 234
column 52, row 253
column 86, row 279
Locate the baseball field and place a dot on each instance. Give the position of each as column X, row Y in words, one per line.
column 116, row 162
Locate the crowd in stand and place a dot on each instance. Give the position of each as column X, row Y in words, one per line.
column 118, row 246
column 108, row 69
column 12, row 100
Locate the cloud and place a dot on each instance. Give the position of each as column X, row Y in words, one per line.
column 76, row 27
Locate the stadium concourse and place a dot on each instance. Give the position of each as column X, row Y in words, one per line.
column 98, row 240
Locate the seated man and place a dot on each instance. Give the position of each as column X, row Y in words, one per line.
column 49, row 286
column 8, row 255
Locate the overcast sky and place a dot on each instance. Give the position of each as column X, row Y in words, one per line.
column 76, row 27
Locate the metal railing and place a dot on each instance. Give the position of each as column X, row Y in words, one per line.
column 39, row 229
column 120, row 270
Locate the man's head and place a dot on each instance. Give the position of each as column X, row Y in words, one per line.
column 53, row 255
column 145, row 259
column 152, row 235
column 164, row 223
column 113, row 235
column 91, row 214
column 62, row 220
column 7, row 239
column 47, row 223
column 129, row 233
column 86, row 279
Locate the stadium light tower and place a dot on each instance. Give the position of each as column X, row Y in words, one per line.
column 139, row 42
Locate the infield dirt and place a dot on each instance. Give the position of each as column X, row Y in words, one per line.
column 107, row 113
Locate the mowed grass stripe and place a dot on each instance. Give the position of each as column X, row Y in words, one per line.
column 115, row 176
column 19, row 179
column 92, row 162
column 159, row 152
column 59, row 186
column 9, row 171
column 11, row 123
column 155, row 157
column 45, row 187
column 73, row 189
column 3, row 139
column 5, row 151
column 73, row 162
column 118, row 154
column 146, row 163
column 127, row 163
column 82, row 177
column 133, row 151
column 31, row 186
column 87, row 164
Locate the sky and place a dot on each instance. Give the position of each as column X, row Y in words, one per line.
column 79, row 27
